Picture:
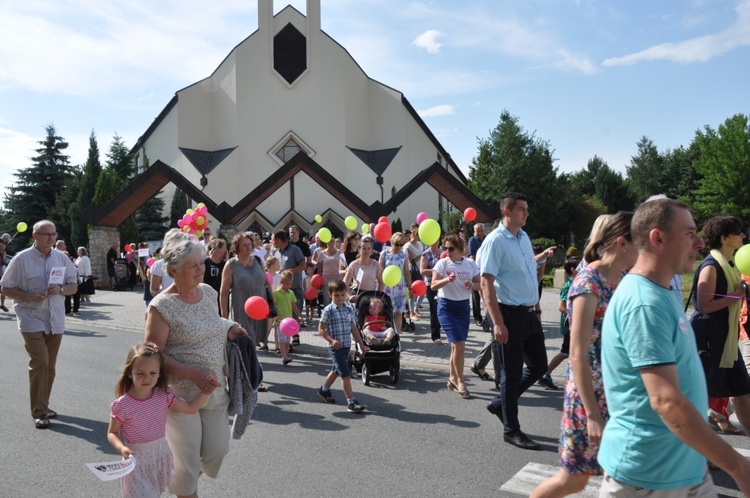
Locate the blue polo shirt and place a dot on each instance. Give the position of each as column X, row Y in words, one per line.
column 510, row 260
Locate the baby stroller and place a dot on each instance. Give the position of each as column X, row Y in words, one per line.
column 122, row 275
column 381, row 357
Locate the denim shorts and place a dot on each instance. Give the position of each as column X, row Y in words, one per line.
column 340, row 359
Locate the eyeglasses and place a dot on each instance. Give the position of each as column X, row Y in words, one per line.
column 738, row 232
column 450, row 248
column 46, row 234
column 398, row 245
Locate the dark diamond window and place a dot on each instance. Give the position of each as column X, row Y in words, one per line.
column 288, row 151
column 289, row 53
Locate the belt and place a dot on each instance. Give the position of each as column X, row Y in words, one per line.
column 527, row 309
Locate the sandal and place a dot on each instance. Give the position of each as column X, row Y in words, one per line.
column 452, row 387
column 42, row 423
column 51, row 414
column 479, row 373
column 724, row 425
column 465, row 394
column 262, row 389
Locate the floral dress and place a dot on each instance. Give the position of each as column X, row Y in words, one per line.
column 397, row 293
column 577, row 454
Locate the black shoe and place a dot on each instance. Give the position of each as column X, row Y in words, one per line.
column 520, row 440
column 547, row 382
column 496, row 411
column 478, row 373
column 326, row 395
column 478, row 322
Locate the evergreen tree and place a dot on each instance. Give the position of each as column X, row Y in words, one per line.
column 91, row 171
column 62, row 212
column 646, row 172
column 120, row 160
column 32, row 198
column 150, row 219
column 178, row 207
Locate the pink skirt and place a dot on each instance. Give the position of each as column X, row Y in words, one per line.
column 153, row 470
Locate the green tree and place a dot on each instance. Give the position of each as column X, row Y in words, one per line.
column 61, row 211
column 178, row 207
column 724, row 164
column 91, row 171
column 120, row 159
column 108, row 187
column 611, row 190
column 646, row 172
column 679, row 166
column 512, row 160
column 32, row 197
column 150, row 219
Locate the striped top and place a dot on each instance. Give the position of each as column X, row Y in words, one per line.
column 143, row 420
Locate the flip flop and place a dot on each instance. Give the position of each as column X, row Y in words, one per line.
column 42, row 423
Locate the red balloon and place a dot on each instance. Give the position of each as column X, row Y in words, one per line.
column 311, row 293
column 418, row 288
column 256, row 308
column 383, row 219
column 128, row 248
column 470, row 213
column 443, row 255
column 316, row 281
column 382, row 232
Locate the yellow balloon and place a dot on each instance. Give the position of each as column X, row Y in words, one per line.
column 392, row 275
column 324, row 235
column 189, row 211
column 365, row 228
column 318, row 218
column 350, row 222
column 429, row 231
column 742, row 259
column 200, row 205
column 21, row 227
column 199, row 233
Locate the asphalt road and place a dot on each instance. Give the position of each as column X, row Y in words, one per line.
column 415, row 439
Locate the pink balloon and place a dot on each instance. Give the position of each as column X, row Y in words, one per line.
column 289, row 327
column 192, row 231
column 180, row 223
column 203, row 210
column 128, row 256
column 270, row 278
column 187, row 218
column 422, row 216
column 194, row 217
column 150, row 262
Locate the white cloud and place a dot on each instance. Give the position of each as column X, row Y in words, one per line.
column 16, row 151
column 438, row 110
column 429, row 41
column 699, row 49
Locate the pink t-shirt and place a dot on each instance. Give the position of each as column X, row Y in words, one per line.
column 143, row 420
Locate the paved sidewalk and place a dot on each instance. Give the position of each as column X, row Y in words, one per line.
column 125, row 310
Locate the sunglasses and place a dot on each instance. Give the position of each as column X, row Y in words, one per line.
column 398, row 245
column 450, row 248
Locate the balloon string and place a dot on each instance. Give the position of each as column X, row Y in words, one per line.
column 721, row 295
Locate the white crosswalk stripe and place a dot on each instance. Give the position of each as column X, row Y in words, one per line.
column 533, row 474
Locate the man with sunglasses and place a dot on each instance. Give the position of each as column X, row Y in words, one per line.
column 510, row 292
column 38, row 279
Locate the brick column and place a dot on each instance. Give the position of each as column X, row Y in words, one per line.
column 100, row 240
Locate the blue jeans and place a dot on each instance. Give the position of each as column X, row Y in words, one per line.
column 340, row 359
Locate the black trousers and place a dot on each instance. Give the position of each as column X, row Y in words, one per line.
column 476, row 306
column 525, row 345
column 434, row 322
column 76, row 298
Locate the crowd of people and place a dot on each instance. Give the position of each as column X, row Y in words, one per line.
column 635, row 360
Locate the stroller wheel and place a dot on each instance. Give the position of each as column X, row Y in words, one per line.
column 393, row 371
column 412, row 326
column 365, row 374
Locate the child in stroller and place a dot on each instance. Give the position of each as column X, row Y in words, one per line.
column 377, row 330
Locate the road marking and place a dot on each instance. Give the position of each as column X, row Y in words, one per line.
column 533, row 474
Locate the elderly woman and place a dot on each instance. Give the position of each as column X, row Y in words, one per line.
column 183, row 323
column 717, row 297
column 396, row 256
column 243, row 277
column 366, row 273
column 454, row 278
column 86, row 285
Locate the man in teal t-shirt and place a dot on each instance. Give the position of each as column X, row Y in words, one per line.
column 657, row 436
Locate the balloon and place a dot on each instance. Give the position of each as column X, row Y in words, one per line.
column 200, row 205
column 419, row 288
column 318, row 218
column 382, row 232
column 256, row 308
column 180, row 223
column 269, row 277
column 127, row 248
column 324, row 235
column 365, row 228
column 186, row 218
column 470, row 213
column 200, row 220
column 203, row 210
column 199, row 233
column 194, row 217
column 350, row 222
column 21, row 227
column 150, row 262
column 311, row 293
column 186, row 228
column 742, row 259
column 316, row 281
column 128, row 256
column 191, row 231
column 392, row 275
column 422, row 216
column 289, row 327
column 443, row 254
column 383, row 219
column 429, row 231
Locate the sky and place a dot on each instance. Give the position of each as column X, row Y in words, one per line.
column 589, row 77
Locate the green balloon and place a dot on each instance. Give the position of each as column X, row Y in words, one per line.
column 324, row 235
column 742, row 259
column 392, row 276
column 350, row 222
column 318, row 218
column 429, row 231
column 365, row 228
